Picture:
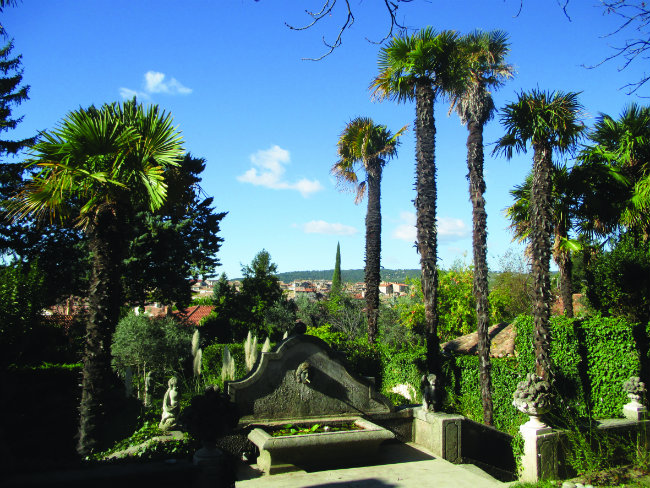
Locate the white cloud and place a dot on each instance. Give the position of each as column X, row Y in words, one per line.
column 269, row 170
column 154, row 82
column 449, row 229
column 406, row 230
column 128, row 94
column 452, row 229
column 322, row 227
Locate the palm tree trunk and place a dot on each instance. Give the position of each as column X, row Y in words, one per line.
column 563, row 259
column 540, row 238
column 479, row 247
column 373, row 247
column 425, row 206
column 104, row 304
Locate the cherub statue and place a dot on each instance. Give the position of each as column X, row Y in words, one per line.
column 170, row 405
column 303, row 373
column 429, row 393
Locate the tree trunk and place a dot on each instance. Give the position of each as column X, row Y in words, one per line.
column 425, row 206
column 104, row 305
column 479, row 248
column 563, row 259
column 540, row 239
column 373, row 247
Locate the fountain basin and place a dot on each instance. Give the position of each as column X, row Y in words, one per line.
column 284, row 453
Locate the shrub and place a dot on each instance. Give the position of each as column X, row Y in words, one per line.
column 618, row 281
column 156, row 345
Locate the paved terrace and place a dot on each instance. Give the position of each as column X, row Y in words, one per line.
column 398, row 466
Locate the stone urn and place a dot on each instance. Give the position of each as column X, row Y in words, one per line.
column 635, row 389
column 533, row 397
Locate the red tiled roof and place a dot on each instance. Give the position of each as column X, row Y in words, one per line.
column 193, row 315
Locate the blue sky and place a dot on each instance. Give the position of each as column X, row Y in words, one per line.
column 267, row 122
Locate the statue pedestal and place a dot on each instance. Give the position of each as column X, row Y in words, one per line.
column 634, row 411
column 539, row 460
column 211, row 462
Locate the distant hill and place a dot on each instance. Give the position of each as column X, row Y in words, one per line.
column 349, row 275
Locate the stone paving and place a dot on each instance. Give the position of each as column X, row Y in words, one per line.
column 398, row 466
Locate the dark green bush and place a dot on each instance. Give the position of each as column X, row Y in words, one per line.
column 618, row 281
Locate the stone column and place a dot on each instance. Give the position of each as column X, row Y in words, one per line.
column 539, row 460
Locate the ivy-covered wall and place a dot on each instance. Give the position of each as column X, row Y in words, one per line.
column 591, row 359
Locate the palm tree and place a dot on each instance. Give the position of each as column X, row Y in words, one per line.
column 566, row 192
column 422, row 67
column 485, row 53
column 96, row 167
column 364, row 145
column 548, row 121
column 624, row 145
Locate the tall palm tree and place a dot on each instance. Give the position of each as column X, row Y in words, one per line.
column 565, row 196
column 364, row 145
column 548, row 121
column 97, row 166
column 485, row 53
column 422, row 67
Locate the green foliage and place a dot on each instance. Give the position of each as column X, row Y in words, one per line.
column 324, row 332
column 256, row 307
column 21, row 303
column 510, row 290
column 463, row 392
column 456, row 302
column 157, row 345
column 404, row 366
column 618, row 282
column 591, row 359
column 143, row 446
column 213, row 360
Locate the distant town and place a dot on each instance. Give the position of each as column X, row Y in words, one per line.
column 313, row 289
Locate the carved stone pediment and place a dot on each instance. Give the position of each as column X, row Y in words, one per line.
column 304, row 378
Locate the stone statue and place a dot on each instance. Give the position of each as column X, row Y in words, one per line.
column 429, row 393
column 170, row 406
column 303, row 373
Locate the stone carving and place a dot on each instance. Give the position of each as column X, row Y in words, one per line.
column 276, row 389
column 170, row 406
column 533, row 396
column 635, row 389
column 303, row 373
column 429, row 393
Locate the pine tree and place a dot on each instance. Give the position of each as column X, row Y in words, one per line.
column 11, row 94
column 336, row 277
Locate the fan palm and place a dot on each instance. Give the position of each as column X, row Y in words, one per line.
column 422, row 67
column 548, row 121
column 624, row 144
column 364, row 145
column 96, row 167
column 485, row 53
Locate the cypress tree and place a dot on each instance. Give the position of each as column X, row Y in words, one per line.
column 336, row 277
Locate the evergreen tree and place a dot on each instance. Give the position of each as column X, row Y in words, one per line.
column 11, row 95
column 336, row 277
